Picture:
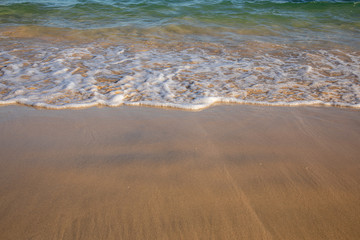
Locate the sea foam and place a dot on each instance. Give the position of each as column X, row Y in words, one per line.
column 188, row 76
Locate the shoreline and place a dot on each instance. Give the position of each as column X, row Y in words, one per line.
column 225, row 172
column 195, row 108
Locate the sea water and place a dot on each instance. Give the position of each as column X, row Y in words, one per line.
column 182, row 54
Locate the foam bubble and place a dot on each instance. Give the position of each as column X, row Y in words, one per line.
column 177, row 75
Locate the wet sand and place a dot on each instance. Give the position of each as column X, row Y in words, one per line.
column 228, row 172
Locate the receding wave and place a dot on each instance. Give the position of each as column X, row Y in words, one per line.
column 182, row 75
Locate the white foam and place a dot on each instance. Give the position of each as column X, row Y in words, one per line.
column 189, row 78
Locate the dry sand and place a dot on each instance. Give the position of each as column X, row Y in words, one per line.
column 228, row 172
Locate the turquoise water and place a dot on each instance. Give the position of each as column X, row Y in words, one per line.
column 186, row 54
column 296, row 20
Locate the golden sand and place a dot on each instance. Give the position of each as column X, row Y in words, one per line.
column 228, row 172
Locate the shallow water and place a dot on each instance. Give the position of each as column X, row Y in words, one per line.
column 189, row 55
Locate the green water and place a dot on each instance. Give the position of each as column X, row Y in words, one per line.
column 337, row 21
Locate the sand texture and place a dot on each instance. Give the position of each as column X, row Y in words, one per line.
column 228, row 172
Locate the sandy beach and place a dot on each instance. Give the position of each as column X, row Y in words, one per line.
column 227, row 172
